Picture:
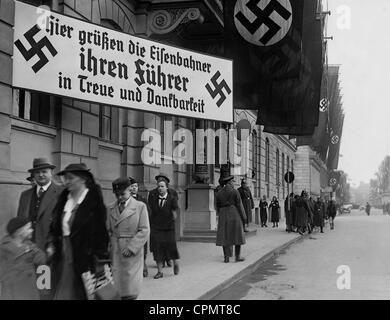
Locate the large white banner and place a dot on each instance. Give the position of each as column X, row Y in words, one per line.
column 65, row 56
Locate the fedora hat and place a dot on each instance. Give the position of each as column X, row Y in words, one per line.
column 227, row 178
column 75, row 167
column 162, row 176
column 41, row 163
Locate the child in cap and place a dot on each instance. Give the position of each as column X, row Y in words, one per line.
column 19, row 258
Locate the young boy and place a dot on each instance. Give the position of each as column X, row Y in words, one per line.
column 19, row 258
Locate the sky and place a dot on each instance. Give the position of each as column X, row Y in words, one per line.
column 362, row 49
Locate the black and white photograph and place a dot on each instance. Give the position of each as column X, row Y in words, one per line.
column 208, row 151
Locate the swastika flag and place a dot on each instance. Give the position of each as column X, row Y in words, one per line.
column 263, row 37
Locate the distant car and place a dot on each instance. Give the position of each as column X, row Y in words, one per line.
column 346, row 208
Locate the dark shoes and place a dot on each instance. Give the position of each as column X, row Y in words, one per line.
column 158, row 275
column 226, row 260
column 176, row 269
column 238, row 259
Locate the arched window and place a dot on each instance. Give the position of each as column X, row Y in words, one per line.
column 267, row 165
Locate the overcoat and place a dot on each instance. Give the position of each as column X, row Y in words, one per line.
column 231, row 215
column 129, row 229
column 274, row 211
column 263, row 205
column 319, row 214
column 17, row 270
column 45, row 211
column 301, row 212
column 88, row 234
column 289, row 213
column 331, row 210
column 247, row 200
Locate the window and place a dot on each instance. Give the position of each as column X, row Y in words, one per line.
column 267, row 164
column 109, row 123
column 34, row 106
column 277, row 174
column 255, row 166
column 292, row 170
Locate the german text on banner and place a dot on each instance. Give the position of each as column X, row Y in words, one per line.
column 64, row 56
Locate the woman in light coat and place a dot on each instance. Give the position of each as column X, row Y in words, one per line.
column 128, row 227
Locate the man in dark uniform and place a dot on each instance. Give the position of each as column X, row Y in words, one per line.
column 247, row 201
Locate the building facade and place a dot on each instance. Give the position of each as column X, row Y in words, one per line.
column 107, row 138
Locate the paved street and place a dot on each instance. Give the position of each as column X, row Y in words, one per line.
column 308, row 269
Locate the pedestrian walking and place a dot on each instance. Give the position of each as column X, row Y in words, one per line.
column 331, row 212
column 309, row 206
column 231, row 214
column 163, row 213
column 319, row 213
column 302, row 214
column 171, row 191
column 128, row 228
column 288, row 210
column 37, row 203
column 134, row 193
column 78, row 234
column 274, row 209
column 368, row 208
column 263, row 211
column 247, row 201
column 19, row 259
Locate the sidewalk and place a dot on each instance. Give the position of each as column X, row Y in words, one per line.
column 202, row 271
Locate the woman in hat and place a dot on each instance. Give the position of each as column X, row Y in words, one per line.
column 274, row 208
column 19, row 258
column 163, row 212
column 231, row 216
column 128, row 227
column 78, row 232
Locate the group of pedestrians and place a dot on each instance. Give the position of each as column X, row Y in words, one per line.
column 303, row 213
column 67, row 227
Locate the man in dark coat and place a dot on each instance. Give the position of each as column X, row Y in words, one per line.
column 368, row 208
column 231, row 214
column 263, row 211
column 331, row 212
column 288, row 209
column 247, row 201
column 37, row 204
column 319, row 213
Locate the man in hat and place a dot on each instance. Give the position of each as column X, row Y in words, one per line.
column 19, row 258
column 134, row 193
column 128, row 227
column 37, row 203
column 247, row 201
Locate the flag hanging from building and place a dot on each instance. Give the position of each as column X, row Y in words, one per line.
column 292, row 106
column 264, row 38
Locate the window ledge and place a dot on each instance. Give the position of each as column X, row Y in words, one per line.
column 110, row 145
column 33, row 127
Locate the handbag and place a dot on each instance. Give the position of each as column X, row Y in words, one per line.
column 100, row 284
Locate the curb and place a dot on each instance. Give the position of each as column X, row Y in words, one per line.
column 249, row 269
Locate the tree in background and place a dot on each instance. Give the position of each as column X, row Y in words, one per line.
column 375, row 194
column 383, row 175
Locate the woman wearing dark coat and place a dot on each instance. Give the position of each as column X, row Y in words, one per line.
column 163, row 212
column 263, row 211
column 231, row 216
column 301, row 214
column 319, row 213
column 275, row 212
column 331, row 212
column 78, row 232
